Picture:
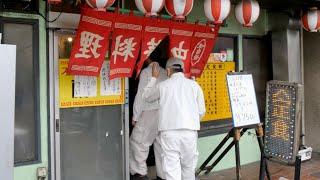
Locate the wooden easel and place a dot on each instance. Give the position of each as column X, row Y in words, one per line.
column 245, row 116
column 236, row 134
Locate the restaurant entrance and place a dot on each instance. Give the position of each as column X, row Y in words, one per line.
column 87, row 142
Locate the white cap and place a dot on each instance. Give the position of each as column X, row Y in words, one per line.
column 175, row 63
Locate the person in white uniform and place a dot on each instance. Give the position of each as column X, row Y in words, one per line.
column 181, row 108
column 145, row 132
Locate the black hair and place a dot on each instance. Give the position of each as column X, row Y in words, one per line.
column 176, row 68
column 155, row 55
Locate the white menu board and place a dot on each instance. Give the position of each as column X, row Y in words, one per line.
column 243, row 100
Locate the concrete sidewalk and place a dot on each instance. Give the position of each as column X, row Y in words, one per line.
column 310, row 171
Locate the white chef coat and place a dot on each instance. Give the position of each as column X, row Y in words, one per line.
column 181, row 102
column 140, row 105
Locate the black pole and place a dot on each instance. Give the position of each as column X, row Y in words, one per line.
column 262, row 158
column 237, row 152
column 263, row 163
column 267, row 168
column 262, row 167
column 238, row 167
column 216, row 150
column 209, row 168
column 297, row 168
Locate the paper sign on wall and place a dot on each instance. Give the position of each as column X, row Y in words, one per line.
column 84, row 91
column 109, row 87
column 243, row 100
column 85, row 86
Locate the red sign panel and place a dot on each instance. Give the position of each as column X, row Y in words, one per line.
column 202, row 43
column 91, row 42
column 180, row 43
column 154, row 31
column 125, row 45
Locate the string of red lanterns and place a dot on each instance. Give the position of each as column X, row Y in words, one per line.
column 132, row 34
column 216, row 11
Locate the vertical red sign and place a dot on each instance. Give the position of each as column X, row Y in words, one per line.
column 202, row 43
column 91, row 42
column 125, row 48
column 154, row 31
column 180, row 43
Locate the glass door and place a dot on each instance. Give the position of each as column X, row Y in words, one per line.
column 89, row 141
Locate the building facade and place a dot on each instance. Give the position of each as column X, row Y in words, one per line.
column 93, row 141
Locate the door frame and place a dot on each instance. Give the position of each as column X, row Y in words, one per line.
column 54, row 154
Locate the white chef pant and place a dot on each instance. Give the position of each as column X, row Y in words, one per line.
column 180, row 154
column 144, row 134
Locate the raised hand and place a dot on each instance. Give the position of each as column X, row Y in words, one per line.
column 155, row 70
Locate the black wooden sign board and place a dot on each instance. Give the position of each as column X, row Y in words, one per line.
column 283, row 120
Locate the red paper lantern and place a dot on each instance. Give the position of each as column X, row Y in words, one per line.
column 100, row 5
column 150, row 7
column 247, row 12
column 311, row 20
column 217, row 10
column 179, row 9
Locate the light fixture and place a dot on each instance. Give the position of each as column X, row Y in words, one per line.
column 70, row 39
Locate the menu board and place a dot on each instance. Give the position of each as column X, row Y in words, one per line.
column 84, row 91
column 243, row 100
column 214, row 85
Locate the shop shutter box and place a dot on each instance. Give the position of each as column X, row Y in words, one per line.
column 283, row 121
